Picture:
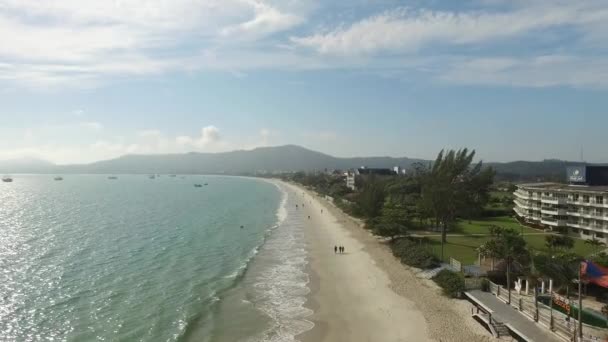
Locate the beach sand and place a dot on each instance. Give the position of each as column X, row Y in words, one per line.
column 366, row 294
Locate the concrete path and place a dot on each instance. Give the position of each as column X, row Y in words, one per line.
column 464, row 235
column 510, row 316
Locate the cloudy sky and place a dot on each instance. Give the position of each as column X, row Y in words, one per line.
column 84, row 80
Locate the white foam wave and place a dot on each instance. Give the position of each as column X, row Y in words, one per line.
column 282, row 211
column 281, row 289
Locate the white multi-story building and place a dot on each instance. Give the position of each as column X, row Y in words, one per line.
column 578, row 207
column 350, row 181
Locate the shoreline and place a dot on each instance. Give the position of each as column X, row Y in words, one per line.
column 367, row 294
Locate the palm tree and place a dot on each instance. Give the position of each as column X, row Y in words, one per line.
column 509, row 245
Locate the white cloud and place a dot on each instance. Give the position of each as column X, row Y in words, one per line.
column 407, row 30
column 210, row 136
column 267, row 20
column 80, row 41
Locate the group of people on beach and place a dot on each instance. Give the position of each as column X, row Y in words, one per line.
column 338, row 249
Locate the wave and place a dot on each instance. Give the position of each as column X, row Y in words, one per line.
column 281, row 288
column 282, row 210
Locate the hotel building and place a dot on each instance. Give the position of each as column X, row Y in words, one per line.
column 580, row 207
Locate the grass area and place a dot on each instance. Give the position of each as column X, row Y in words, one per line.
column 464, row 248
column 537, row 242
column 501, row 194
column 483, row 226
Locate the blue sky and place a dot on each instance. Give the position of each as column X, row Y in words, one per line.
column 89, row 80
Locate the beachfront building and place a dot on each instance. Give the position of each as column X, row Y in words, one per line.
column 580, row 206
column 350, row 180
column 374, row 171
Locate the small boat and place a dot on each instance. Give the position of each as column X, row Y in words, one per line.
column 152, row 176
column 7, row 179
column 206, row 184
column 198, row 186
column 112, row 177
column 172, row 176
column 58, row 178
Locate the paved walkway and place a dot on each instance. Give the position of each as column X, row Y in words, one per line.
column 508, row 315
column 421, row 234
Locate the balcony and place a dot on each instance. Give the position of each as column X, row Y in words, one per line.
column 553, row 200
column 575, row 224
column 591, row 203
column 553, row 211
column 520, row 212
column 521, row 194
column 553, row 222
column 523, row 204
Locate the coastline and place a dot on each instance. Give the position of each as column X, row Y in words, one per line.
column 366, row 294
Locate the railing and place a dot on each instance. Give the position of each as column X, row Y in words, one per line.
column 539, row 312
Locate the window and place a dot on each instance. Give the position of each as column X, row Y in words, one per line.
column 585, row 232
column 599, row 235
column 585, row 199
column 575, row 230
column 599, row 199
column 575, row 197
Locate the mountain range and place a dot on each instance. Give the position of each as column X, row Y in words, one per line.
column 286, row 158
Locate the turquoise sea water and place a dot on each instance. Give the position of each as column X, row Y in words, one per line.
column 136, row 259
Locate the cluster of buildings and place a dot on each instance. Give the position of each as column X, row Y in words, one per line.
column 352, row 174
column 579, row 207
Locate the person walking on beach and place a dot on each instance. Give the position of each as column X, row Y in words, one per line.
column 335, row 249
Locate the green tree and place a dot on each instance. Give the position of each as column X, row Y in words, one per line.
column 555, row 243
column 595, row 243
column 509, row 245
column 371, row 198
column 390, row 230
column 451, row 188
column 562, row 268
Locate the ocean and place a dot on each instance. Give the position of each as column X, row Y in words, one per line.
column 138, row 259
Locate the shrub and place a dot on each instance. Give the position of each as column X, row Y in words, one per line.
column 452, row 283
column 413, row 254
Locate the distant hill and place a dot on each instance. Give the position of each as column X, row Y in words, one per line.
column 26, row 165
column 280, row 158
column 546, row 170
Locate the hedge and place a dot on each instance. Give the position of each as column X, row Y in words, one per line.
column 414, row 254
column 452, row 283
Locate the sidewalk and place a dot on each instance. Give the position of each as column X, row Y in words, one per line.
column 508, row 315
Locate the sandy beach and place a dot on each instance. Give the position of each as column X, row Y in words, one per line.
column 366, row 294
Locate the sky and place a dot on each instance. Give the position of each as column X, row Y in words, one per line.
column 84, row 80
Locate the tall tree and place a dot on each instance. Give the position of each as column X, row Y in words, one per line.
column 451, row 188
column 371, row 198
column 510, row 246
column 558, row 243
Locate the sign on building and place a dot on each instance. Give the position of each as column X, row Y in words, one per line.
column 577, row 174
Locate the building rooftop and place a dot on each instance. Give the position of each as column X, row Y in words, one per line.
column 565, row 187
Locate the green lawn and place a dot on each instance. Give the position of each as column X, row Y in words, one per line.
column 482, row 226
column 463, row 248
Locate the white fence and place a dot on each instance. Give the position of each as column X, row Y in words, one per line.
column 554, row 320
